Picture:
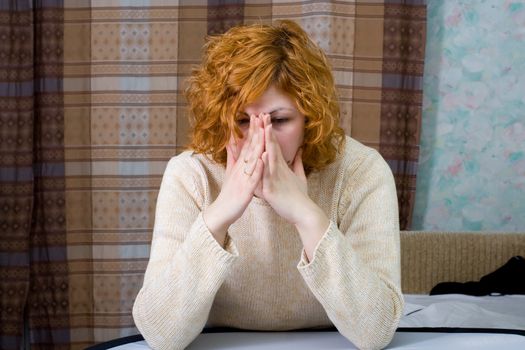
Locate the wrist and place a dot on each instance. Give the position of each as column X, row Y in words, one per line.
column 216, row 223
column 309, row 215
column 311, row 227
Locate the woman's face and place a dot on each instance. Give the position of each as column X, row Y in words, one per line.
column 287, row 121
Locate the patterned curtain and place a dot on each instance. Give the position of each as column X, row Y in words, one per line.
column 33, row 246
column 91, row 109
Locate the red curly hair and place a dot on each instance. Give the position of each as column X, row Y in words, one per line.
column 239, row 65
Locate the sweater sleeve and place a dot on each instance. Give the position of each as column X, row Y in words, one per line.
column 355, row 268
column 186, row 266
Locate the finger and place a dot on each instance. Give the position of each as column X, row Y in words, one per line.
column 256, row 147
column 251, row 168
column 259, row 147
column 234, row 151
column 230, row 160
column 251, row 155
column 266, row 124
column 258, row 171
column 266, row 170
column 278, row 153
column 248, row 141
column 273, row 148
column 250, row 160
column 297, row 165
column 267, row 120
column 270, row 149
column 266, row 175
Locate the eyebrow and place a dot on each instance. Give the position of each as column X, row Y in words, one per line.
column 280, row 109
column 275, row 110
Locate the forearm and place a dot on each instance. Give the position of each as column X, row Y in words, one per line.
column 311, row 225
column 216, row 222
column 178, row 291
column 363, row 304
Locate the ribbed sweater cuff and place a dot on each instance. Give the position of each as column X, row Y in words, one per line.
column 304, row 264
column 202, row 243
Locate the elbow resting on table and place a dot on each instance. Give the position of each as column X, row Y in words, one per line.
column 378, row 333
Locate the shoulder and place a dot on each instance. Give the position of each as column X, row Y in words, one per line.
column 185, row 169
column 359, row 174
column 190, row 163
column 358, row 170
column 360, row 158
column 195, row 172
column 357, row 160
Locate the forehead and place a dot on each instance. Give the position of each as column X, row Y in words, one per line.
column 271, row 99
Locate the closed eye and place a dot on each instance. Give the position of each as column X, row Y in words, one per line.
column 278, row 120
column 243, row 121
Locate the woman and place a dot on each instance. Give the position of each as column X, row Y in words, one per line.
column 273, row 220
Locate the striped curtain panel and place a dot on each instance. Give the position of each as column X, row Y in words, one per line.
column 34, row 267
column 91, row 110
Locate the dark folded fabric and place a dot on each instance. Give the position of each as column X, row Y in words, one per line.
column 508, row 279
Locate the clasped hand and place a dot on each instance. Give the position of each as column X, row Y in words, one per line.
column 257, row 167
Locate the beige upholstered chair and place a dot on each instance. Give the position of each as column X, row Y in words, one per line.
column 428, row 258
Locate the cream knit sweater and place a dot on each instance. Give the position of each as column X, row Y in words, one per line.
column 262, row 280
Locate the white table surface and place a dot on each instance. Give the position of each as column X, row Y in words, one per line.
column 450, row 310
column 333, row 340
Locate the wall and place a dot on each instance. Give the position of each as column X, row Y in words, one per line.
column 472, row 161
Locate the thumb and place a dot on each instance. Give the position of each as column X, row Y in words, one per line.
column 230, row 158
column 234, row 150
column 297, row 165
